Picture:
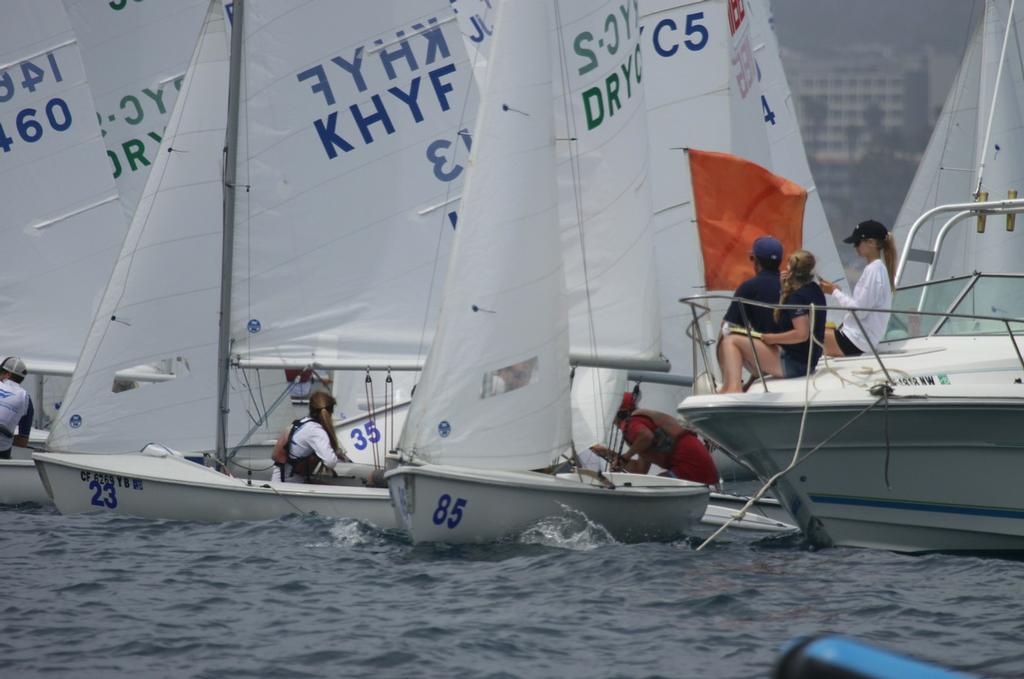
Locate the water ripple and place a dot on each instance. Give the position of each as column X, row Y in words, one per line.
column 307, row 596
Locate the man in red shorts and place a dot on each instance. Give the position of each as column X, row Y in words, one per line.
column 658, row 438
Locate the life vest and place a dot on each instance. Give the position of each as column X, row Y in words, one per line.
column 663, row 441
column 282, row 456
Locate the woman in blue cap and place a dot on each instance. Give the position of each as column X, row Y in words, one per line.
column 873, row 291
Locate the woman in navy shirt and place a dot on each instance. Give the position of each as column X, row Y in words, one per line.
column 798, row 287
column 783, row 353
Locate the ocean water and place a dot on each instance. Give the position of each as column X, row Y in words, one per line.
column 305, row 596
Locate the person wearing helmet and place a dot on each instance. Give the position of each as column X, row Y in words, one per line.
column 16, row 410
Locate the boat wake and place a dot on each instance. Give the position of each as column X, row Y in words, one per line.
column 569, row 530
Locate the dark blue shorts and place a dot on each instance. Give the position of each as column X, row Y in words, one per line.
column 791, row 366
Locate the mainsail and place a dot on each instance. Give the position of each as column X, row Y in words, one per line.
column 350, row 161
column 976, row 143
column 62, row 224
column 135, row 56
column 160, row 306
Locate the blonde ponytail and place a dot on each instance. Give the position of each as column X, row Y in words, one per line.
column 889, row 257
column 321, row 405
column 801, row 272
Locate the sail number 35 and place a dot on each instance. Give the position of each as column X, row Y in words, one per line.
column 442, row 515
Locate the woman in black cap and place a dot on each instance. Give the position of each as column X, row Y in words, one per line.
column 873, row 291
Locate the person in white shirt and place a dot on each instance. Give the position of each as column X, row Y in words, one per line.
column 15, row 407
column 873, row 291
column 309, row 441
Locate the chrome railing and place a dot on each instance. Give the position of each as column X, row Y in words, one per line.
column 699, row 310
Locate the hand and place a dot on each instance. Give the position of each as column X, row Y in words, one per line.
column 768, row 338
column 828, row 287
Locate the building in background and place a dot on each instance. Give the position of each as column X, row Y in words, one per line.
column 865, row 114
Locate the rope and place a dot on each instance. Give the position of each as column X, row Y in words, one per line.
column 389, row 414
column 368, row 390
column 799, row 440
column 285, row 498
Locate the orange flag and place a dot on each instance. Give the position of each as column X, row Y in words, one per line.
column 736, row 201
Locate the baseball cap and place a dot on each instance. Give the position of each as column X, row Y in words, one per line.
column 14, row 365
column 867, row 229
column 767, row 247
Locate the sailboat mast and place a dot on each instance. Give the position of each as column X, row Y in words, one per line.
column 228, row 241
column 995, row 95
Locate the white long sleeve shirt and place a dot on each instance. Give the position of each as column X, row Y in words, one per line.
column 871, row 292
column 309, row 439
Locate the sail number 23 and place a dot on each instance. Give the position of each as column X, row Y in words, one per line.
column 442, row 515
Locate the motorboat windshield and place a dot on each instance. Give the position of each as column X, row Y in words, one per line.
column 977, row 295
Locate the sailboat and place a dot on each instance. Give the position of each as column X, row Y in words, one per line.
column 916, row 446
column 971, row 156
column 62, row 221
column 493, row 401
column 341, row 158
column 596, row 392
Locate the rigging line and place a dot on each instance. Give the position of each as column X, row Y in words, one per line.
column 886, row 390
column 799, row 439
column 995, row 95
column 247, row 386
column 242, row 142
column 284, row 497
column 263, row 401
column 389, row 414
column 576, row 169
column 958, row 95
column 448, row 197
column 368, row 392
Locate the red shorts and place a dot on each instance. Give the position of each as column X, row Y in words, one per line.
column 692, row 461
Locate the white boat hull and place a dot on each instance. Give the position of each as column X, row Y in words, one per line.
column 20, row 483
column 438, row 503
column 165, row 486
column 949, row 479
column 766, row 515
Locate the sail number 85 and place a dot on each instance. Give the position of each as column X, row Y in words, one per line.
column 454, row 517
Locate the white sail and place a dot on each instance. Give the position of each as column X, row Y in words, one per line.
column 135, row 56
column 1000, row 163
column 495, row 389
column 334, row 255
column 605, row 202
column 352, row 158
column 596, row 395
column 978, row 138
column 476, row 21
column 160, row 307
column 788, row 155
column 605, row 195
column 62, row 224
